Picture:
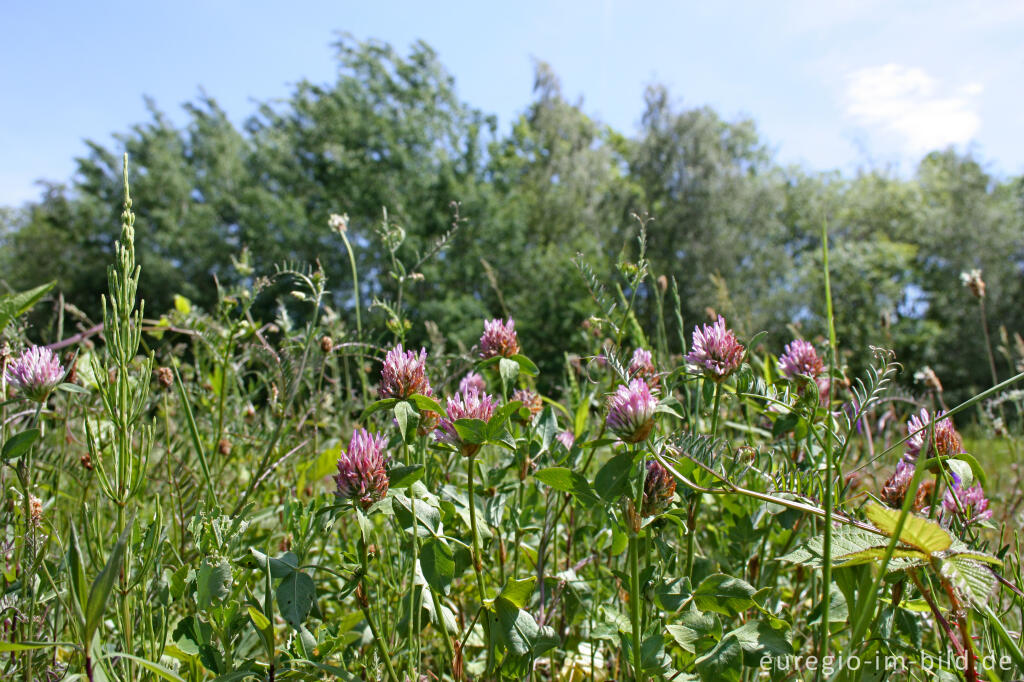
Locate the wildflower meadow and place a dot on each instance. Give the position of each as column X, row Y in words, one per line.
column 235, row 494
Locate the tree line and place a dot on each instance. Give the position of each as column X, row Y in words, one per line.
column 738, row 233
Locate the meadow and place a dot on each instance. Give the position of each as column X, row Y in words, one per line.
column 213, row 495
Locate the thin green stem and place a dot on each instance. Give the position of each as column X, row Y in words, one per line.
column 364, row 603
column 477, row 561
column 827, row 542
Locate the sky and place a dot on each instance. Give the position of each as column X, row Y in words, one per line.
column 831, row 85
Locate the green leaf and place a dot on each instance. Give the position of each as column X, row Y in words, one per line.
column 847, row 545
column 213, row 582
column 471, row 430
column 919, row 532
column 182, row 304
column 103, row 585
column 19, row 443
column 672, row 594
column 404, row 476
column 295, row 597
column 526, row 365
column 427, row 515
column 76, row 577
column 377, row 407
column 612, row 481
column 567, row 481
column 509, row 370
column 152, row 667
column 403, row 413
column 547, row 429
column 695, row 628
column 518, row 591
column 17, row 304
column 258, row 619
column 424, row 402
column 437, row 561
column 724, row 663
column 496, row 424
column 31, row 646
column 758, row 638
column 279, row 567
column 971, row 578
column 724, row 594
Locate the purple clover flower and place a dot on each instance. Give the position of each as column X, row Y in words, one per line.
column 715, row 350
column 499, row 338
column 567, row 438
column 404, row 373
column 801, row 358
column 35, row 373
column 631, row 411
column 473, row 380
column 642, row 365
column 947, row 440
column 470, row 404
column 972, row 500
column 362, row 469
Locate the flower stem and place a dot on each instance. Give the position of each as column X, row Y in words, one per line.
column 365, row 605
column 477, row 565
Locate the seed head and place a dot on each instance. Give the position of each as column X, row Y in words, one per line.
column 35, row 373
column 800, row 358
column 715, row 351
column 470, row 404
column 404, row 374
column 530, row 399
column 927, row 376
column 631, row 411
column 35, row 508
column 973, row 281
column 164, row 377
column 338, row 223
column 326, row 344
column 362, row 469
column 499, row 338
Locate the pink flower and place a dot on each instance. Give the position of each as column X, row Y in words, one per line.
column 801, row 358
column 659, row 487
column 36, row 373
column 642, row 365
column 631, row 411
column 404, row 373
column 566, row 438
column 362, row 470
column 947, row 440
column 470, row 404
column 972, row 500
column 499, row 339
column 473, row 380
column 715, row 350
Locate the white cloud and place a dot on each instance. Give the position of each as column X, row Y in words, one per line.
column 908, row 106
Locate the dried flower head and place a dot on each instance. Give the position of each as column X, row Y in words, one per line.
column 404, row 373
column 641, row 365
column 567, row 438
column 973, row 281
column 530, row 399
column 35, row 373
column 499, row 338
column 326, row 344
column 947, row 440
column 164, row 377
column 895, row 489
column 972, row 501
column 35, row 509
column 473, row 380
column 659, row 487
column 800, row 358
column 715, row 350
column 362, row 469
column 470, row 404
column 631, row 411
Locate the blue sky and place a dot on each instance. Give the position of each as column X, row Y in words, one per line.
column 830, row 84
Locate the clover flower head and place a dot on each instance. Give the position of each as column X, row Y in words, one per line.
column 35, row 373
column 473, row 380
column 404, row 373
column 947, row 440
column 659, row 488
column 715, row 350
column 499, row 338
column 642, row 365
column 469, row 404
column 972, row 500
column 567, row 438
column 631, row 411
column 895, row 489
column 800, row 358
column 530, row 399
column 363, row 469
